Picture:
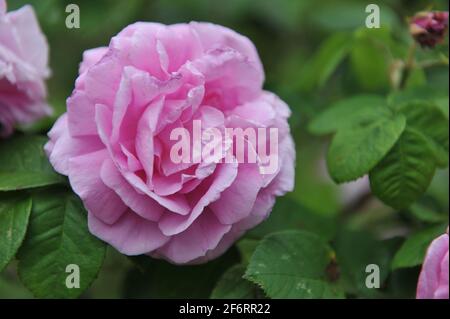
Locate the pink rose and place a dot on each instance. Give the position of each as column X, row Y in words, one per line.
column 429, row 28
column 114, row 143
column 23, row 68
column 433, row 279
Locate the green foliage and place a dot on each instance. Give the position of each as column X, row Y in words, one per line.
column 428, row 118
column 406, row 171
column 328, row 57
column 356, row 250
column 330, row 69
column 23, row 164
column 293, row 264
column 354, row 151
column 414, row 248
column 289, row 214
column 399, row 143
column 158, row 279
column 349, row 112
column 232, row 285
column 42, row 223
column 371, row 45
column 399, row 138
column 348, row 15
column 428, row 215
column 57, row 237
column 246, row 248
column 423, row 93
column 442, row 104
column 14, row 214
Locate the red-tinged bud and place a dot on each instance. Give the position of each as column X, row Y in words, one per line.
column 429, row 28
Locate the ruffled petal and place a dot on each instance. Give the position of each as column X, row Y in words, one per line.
column 203, row 235
column 225, row 174
column 131, row 234
column 429, row 279
column 99, row 199
column 141, row 204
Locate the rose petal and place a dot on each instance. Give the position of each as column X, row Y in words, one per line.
column 430, row 280
column 99, row 200
column 143, row 205
column 65, row 146
column 131, row 234
column 225, row 174
column 203, row 235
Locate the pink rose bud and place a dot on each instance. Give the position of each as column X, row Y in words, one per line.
column 433, row 279
column 116, row 141
column 23, row 69
column 429, row 28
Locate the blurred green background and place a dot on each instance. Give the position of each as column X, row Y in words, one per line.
column 300, row 43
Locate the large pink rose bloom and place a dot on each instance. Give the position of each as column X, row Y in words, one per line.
column 433, row 280
column 23, row 68
column 114, row 141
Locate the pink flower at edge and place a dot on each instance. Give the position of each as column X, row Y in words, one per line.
column 23, row 69
column 113, row 143
column 433, row 279
column 429, row 28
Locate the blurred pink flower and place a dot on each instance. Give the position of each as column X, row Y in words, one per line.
column 114, row 141
column 23, row 69
column 433, row 279
column 429, row 28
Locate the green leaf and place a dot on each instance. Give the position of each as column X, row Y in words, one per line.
column 328, row 57
column 443, row 105
column 332, row 52
column 349, row 112
column 412, row 252
column 154, row 278
column 14, row 214
column 406, row 171
column 427, row 215
column 58, row 236
column 416, row 94
column 370, row 59
column 355, row 250
column 354, row 151
column 23, row 164
column 293, row 264
column 429, row 119
column 232, row 285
